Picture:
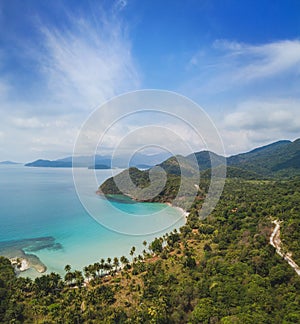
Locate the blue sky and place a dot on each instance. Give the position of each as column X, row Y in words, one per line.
column 59, row 60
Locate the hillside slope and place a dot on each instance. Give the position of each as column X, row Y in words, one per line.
column 277, row 160
column 218, row 270
column 280, row 159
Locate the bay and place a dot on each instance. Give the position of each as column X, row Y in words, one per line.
column 41, row 212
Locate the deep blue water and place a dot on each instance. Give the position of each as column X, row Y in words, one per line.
column 42, row 202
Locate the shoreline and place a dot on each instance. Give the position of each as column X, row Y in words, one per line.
column 183, row 211
column 23, row 262
column 127, row 198
column 21, row 253
column 20, row 264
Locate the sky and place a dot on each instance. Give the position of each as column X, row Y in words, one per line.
column 61, row 60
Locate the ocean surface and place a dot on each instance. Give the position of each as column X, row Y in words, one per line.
column 42, row 215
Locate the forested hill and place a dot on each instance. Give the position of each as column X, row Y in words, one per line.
column 280, row 160
column 277, row 160
column 219, row 270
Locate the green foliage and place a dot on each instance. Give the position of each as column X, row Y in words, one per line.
column 138, row 178
column 156, row 246
column 204, row 311
column 280, row 159
column 218, row 270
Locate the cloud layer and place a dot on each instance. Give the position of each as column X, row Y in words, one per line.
column 68, row 62
column 255, row 123
column 252, row 62
column 254, row 89
column 88, row 64
column 232, row 65
column 74, row 69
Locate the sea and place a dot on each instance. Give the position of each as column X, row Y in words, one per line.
column 43, row 216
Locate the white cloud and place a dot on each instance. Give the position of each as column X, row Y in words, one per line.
column 250, row 90
column 255, row 123
column 262, row 61
column 230, row 65
column 77, row 67
column 275, row 115
column 175, row 138
column 88, row 63
column 25, row 139
column 32, row 122
column 37, row 123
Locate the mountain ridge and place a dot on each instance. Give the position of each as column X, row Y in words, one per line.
column 277, row 160
column 138, row 159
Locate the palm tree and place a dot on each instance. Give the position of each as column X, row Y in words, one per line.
column 116, row 263
column 102, row 261
column 87, row 272
column 92, row 269
column 132, row 252
column 109, row 266
column 97, row 267
column 69, row 276
column 67, row 268
column 124, row 260
column 106, row 267
column 78, row 278
column 54, row 282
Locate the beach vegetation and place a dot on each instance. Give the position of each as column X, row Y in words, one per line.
column 218, row 270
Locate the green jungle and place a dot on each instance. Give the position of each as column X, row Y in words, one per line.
column 221, row 269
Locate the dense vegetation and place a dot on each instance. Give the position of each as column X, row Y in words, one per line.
column 280, row 160
column 219, row 270
column 142, row 189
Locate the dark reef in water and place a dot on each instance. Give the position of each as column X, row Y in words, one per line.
column 22, row 248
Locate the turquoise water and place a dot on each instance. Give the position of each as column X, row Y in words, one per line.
column 42, row 202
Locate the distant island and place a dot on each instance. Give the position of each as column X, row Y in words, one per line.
column 279, row 159
column 8, row 163
column 49, row 164
column 99, row 167
column 139, row 160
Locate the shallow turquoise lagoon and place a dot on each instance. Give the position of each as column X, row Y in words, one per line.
column 43, row 203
